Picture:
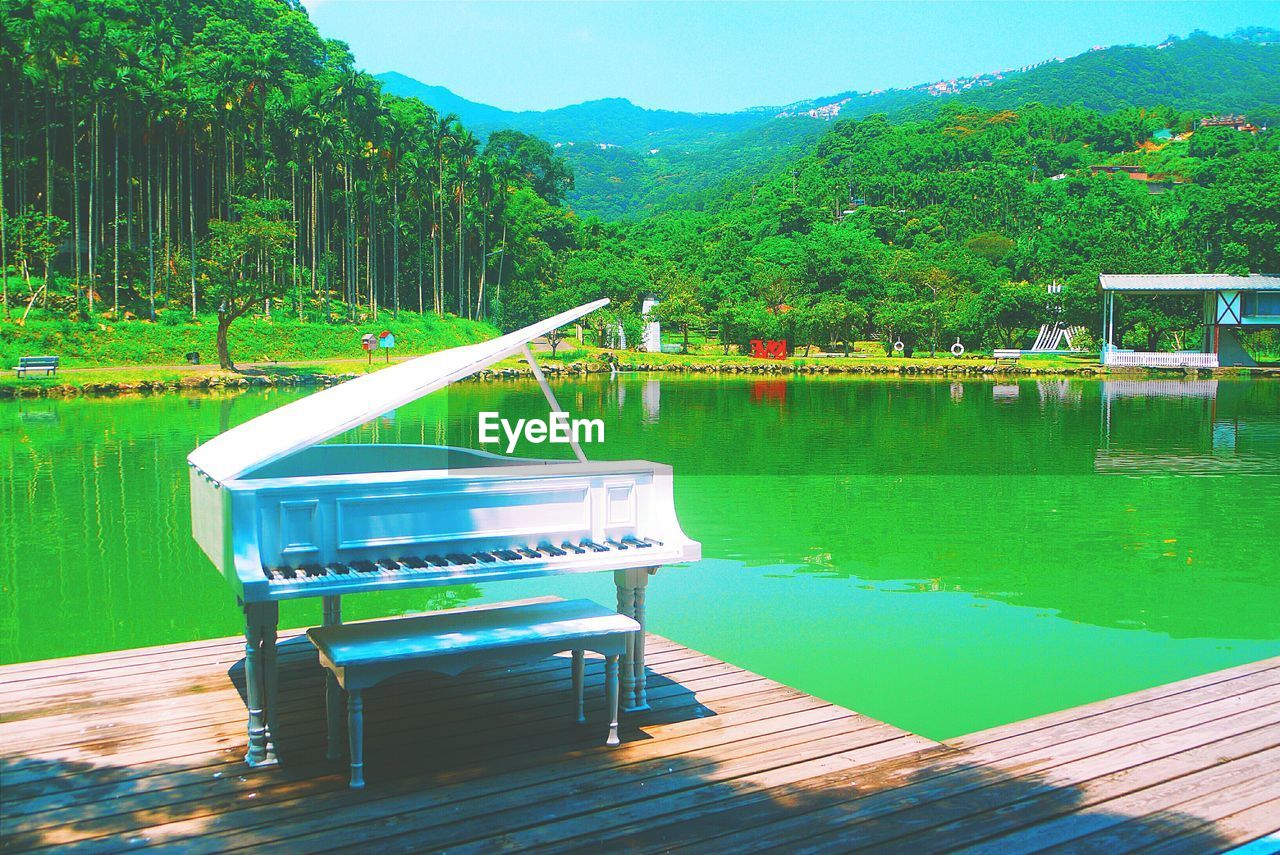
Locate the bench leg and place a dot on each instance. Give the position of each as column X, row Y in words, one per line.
column 579, row 667
column 355, row 733
column 611, row 697
column 332, row 691
column 333, row 717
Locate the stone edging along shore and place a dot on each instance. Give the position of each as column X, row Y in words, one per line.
column 257, row 381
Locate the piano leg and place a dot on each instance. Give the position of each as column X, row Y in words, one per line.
column 332, row 691
column 261, row 621
column 631, row 590
column 627, row 606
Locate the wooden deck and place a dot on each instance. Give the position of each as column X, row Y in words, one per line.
column 143, row 748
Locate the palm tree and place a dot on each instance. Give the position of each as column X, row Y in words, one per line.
column 465, row 146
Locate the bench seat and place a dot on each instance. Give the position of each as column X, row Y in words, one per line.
column 361, row 655
column 28, row 364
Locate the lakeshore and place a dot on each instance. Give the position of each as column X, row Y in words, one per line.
column 150, row 379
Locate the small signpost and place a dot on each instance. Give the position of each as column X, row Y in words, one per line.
column 384, row 340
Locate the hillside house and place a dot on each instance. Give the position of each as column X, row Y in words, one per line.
column 1240, row 123
column 1137, row 173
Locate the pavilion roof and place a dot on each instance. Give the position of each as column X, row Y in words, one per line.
column 1158, row 282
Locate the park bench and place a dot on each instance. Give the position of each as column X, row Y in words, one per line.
column 27, row 364
column 361, row 655
column 1007, row 355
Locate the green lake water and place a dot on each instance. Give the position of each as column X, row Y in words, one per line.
column 943, row 556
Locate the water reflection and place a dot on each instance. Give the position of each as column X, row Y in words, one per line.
column 1211, row 426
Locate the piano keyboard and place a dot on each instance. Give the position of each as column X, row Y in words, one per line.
column 410, row 568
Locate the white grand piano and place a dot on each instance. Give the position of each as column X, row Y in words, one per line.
column 283, row 516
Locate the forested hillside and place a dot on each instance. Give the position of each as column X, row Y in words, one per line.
column 612, row 121
column 216, row 159
column 221, row 156
column 696, row 153
column 951, row 227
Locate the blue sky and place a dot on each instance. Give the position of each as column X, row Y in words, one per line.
column 720, row 56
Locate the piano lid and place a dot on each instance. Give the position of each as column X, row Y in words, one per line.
column 327, row 413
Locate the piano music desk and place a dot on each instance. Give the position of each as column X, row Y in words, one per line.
column 361, row 655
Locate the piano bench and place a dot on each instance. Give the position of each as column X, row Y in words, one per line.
column 360, row 655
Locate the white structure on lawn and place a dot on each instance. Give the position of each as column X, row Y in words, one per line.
column 652, row 340
column 1231, row 304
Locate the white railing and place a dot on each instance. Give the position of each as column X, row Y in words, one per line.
column 1146, row 359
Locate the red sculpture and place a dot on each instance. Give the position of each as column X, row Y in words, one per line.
column 768, row 349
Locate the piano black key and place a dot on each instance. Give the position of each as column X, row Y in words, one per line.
column 594, row 547
column 459, row 558
column 550, row 550
column 652, row 542
column 528, row 553
column 415, row 563
column 613, row 543
column 339, row 568
column 279, row 573
column 437, row 560
column 388, row 564
column 576, row 550
column 483, row 557
column 312, row 569
column 630, row 540
column 507, row 555
column 364, row 566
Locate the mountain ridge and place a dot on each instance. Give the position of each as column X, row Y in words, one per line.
column 630, row 160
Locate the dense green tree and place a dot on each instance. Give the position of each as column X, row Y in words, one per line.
column 678, row 303
column 241, row 257
column 139, row 124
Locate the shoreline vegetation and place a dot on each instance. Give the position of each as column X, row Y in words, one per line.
column 579, row 362
column 126, row 357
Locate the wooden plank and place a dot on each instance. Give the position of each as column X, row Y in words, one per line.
column 1253, row 831
column 1007, row 800
column 608, row 828
column 57, row 727
column 200, row 800
column 167, row 790
column 229, row 763
column 893, row 786
column 153, row 681
column 309, row 823
column 307, row 737
column 1111, row 705
column 1019, row 802
column 118, row 751
column 299, row 691
column 1165, row 813
column 158, row 667
column 550, row 694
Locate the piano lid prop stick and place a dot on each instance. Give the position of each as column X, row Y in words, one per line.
column 551, row 399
